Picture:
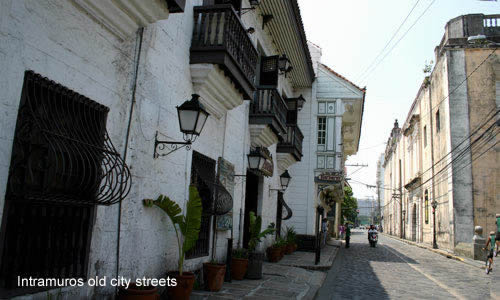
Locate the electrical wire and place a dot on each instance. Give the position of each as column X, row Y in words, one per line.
column 387, row 44
column 365, row 77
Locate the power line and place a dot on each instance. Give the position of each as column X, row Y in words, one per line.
column 385, row 47
column 460, row 84
column 366, row 76
column 459, row 156
column 479, row 146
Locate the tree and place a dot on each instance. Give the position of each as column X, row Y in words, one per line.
column 349, row 206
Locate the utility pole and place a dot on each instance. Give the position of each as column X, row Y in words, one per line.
column 401, row 224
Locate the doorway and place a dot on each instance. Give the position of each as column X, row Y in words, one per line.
column 251, row 202
column 279, row 214
column 414, row 223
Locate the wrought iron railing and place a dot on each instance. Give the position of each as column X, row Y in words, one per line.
column 219, row 28
column 268, row 103
column 293, row 138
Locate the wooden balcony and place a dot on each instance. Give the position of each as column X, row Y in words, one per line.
column 219, row 37
column 269, row 108
column 292, row 142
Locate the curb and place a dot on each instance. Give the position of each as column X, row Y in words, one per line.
column 438, row 251
column 326, row 267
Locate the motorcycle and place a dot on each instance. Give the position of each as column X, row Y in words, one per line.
column 372, row 238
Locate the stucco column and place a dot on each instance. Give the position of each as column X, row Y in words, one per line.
column 337, row 218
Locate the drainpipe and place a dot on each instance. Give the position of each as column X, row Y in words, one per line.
column 138, row 48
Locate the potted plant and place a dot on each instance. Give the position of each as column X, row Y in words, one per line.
column 275, row 250
column 213, row 275
column 187, row 228
column 134, row 292
column 255, row 258
column 291, row 240
column 239, row 263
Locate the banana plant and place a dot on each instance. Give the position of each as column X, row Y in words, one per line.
column 187, row 227
column 255, row 234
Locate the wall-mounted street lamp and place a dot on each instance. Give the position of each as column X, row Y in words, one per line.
column 284, row 181
column 256, row 159
column 284, row 65
column 434, row 205
column 192, row 117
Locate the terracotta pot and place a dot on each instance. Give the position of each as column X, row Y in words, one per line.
column 138, row 293
column 213, row 275
column 289, row 249
column 184, row 287
column 295, row 247
column 274, row 254
column 283, row 250
column 239, row 268
column 255, row 265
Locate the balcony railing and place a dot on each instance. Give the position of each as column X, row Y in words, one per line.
column 292, row 142
column 269, row 108
column 219, row 37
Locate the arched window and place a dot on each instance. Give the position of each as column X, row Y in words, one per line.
column 426, row 195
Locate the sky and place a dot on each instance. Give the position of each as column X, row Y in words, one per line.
column 352, row 33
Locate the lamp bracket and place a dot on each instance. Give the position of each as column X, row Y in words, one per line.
column 169, row 146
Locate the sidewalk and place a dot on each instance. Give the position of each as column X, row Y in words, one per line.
column 294, row 277
column 305, row 260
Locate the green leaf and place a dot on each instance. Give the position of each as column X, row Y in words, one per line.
column 171, row 208
column 190, row 228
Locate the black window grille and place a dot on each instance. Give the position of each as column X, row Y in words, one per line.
column 63, row 164
column 269, row 71
column 202, row 174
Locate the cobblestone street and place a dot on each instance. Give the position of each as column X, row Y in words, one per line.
column 396, row 270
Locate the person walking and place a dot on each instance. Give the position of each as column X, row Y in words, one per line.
column 342, row 232
column 347, row 235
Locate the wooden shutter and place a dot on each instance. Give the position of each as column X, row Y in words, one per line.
column 269, row 71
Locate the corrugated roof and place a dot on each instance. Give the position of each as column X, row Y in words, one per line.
column 287, row 31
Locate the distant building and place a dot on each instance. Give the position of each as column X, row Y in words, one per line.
column 331, row 124
column 446, row 151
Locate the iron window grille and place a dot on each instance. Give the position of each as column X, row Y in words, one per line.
column 216, row 200
column 63, row 164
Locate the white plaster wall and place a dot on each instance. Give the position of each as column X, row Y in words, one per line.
column 59, row 41
column 300, row 193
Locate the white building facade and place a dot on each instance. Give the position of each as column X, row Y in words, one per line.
column 126, row 65
column 331, row 123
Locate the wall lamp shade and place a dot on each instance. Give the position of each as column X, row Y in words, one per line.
column 285, row 179
column 256, row 160
column 300, row 102
column 284, row 64
column 192, row 118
